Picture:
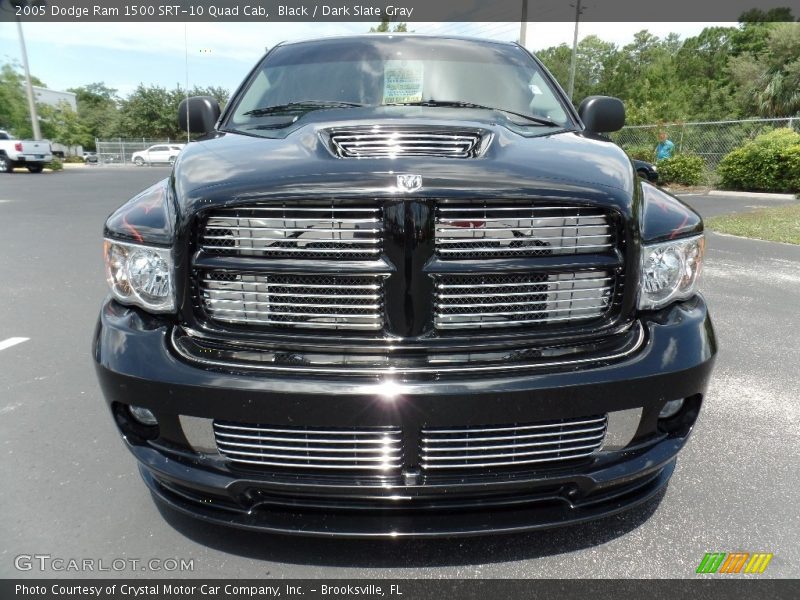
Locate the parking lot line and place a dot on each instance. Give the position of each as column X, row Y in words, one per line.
column 12, row 342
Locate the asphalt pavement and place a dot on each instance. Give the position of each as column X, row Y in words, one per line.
column 69, row 488
column 715, row 205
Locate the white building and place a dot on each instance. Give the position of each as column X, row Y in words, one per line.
column 52, row 98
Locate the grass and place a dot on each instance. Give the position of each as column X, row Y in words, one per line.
column 781, row 224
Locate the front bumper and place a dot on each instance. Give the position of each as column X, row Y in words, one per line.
column 135, row 365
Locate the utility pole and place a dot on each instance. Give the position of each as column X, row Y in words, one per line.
column 523, row 24
column 186, row 50
column 572, row 64
column 37, row 133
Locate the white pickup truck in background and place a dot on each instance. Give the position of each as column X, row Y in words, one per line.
column 23, row 153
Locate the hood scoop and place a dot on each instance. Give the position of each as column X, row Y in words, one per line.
column 399, row 141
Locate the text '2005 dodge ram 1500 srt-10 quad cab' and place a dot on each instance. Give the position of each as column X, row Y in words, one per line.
column 401, row 287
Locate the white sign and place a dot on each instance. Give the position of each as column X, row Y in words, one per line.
column 402, row 81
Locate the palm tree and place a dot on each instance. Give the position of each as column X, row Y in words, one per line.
column 780, row 97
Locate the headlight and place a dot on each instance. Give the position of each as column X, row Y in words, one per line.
column 140, row 275
column 670, row 271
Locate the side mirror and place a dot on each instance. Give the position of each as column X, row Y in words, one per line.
column 602, row 114
column 199, row 112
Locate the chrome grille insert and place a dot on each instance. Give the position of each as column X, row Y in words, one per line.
column 375, row 142
column 514, row 300
column 512, row 445
column 298, row 230
column 318, row 301
column 373, row 449
column 498, row 230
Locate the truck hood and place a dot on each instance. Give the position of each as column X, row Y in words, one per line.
column 230, row 168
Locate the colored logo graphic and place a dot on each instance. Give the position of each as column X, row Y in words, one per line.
column 734, row 562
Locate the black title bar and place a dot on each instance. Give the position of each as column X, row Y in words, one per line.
column 372, row 11
column 706, row 587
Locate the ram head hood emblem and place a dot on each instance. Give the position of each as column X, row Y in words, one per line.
column 409, row 183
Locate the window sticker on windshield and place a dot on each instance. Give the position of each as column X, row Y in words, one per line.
column 402, row 81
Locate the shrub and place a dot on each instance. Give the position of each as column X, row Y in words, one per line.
column 685, row 169
column 73, row 159
column 790, row 158
column 769, row 163
column 54, row 165
column 645, row 153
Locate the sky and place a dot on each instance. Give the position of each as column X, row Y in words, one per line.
column 122, row 55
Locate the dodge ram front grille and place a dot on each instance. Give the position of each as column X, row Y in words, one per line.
column 373, row 142
column 350, row 264
column 512, row 445
column 338, row 449
column 298, row 230
column 513, row 300
column 317, row 301
column 504, row 229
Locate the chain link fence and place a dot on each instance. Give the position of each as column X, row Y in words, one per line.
column 119, row 151
column 711, row 140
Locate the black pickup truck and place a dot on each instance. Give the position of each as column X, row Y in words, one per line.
column 400, row 287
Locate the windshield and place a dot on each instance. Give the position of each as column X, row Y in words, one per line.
column 385, row 70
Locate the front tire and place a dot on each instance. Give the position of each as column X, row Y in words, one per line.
column 6, row 165
column 35, row 168
column 138, row 161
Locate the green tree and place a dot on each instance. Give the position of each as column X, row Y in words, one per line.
column 724, row 72
column 701, row 66
column 14, row 113
column 220, row 94
column 149, row 112
column 595, row 59
column 644, row 77
column 152, row 111
column 61, row 124
column 384, row 27
column 98, row 110
column 556, row 59
column 754, row 29
column 768, row 82
column 13, row 104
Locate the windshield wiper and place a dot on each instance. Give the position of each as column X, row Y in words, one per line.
column 459, row 104
column 300, row 107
